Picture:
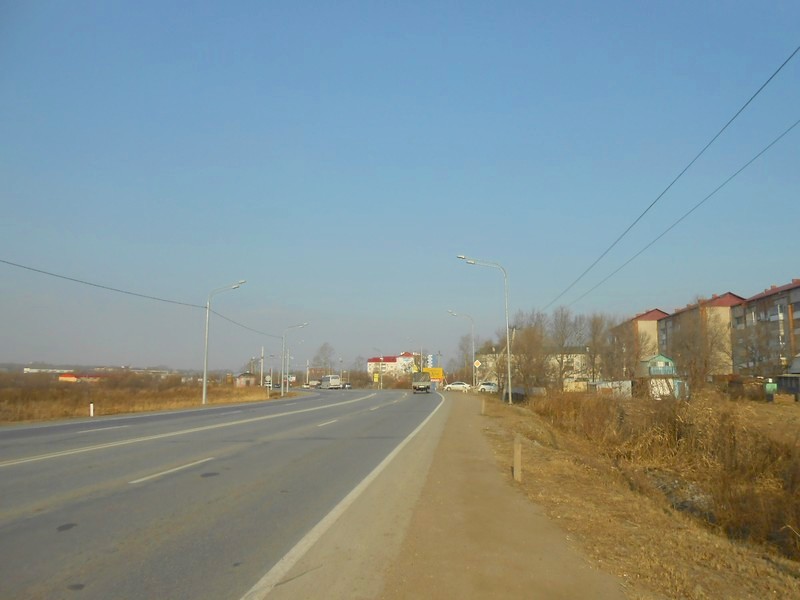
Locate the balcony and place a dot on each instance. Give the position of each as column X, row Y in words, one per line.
column 662, row 371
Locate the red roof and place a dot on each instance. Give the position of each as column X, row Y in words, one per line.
column 379, row 359
column 654, row 314
column 727, row 299
column 776, row 290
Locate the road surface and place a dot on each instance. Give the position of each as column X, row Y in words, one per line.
column 188, row 504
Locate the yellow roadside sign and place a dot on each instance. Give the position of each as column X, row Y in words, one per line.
column 436, row 372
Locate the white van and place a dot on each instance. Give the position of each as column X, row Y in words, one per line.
column 331, row 382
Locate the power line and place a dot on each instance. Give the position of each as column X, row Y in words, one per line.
column 686, row 168
column 687, row 213
column 244, row 326
column 97, row 285
column 130, row 293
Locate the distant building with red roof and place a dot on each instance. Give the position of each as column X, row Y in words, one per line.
column 703, row 326
column 636, row 339
column 390, row 364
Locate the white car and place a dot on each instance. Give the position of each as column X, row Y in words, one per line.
column 488, row 386
column 458, row 386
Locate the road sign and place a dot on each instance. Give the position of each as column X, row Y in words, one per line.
column 477, row 364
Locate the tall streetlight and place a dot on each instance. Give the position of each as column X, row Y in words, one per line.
column 231, row 286
column 494, row 265
column 472, row 330
column 283, row 356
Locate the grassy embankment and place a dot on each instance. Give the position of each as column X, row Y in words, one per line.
column 732, row 465
column 40, row 397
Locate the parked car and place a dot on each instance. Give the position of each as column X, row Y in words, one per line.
column 488, row 386
column 347, row 385
column 457, row 386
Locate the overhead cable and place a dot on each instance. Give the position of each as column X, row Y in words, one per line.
column 97, row 285
column 687, row 213
column 130, row 293
column 686, row 168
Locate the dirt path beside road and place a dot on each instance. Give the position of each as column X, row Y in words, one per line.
column 473, row 535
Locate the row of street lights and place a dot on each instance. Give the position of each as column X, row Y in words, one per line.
column 494, row 265
column 284, row 362
column 284, row 365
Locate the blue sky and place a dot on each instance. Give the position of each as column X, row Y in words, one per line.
column 338, row 156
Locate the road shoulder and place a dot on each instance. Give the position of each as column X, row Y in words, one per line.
column 474, row 535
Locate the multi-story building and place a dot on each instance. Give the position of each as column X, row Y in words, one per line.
column 766, row 331
column 391, row 365
column 632, row 341
column 698, row 336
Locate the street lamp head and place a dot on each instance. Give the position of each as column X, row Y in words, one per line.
column 461, row 257
column 453, row 313
column 470, row 262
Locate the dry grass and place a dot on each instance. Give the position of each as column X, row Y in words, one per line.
column 40, row 398
column 680, row 500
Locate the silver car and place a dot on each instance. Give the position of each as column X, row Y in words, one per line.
column 488, row 386
column 460, row 386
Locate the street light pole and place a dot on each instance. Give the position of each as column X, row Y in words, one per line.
column 472, row 332
column 284, row 363
column 232, row 286
column 494, row 265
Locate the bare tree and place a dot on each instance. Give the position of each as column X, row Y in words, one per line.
column 465, row 358
column 752, row 354
column 625, row 350
column 324, row 357
column 597, row 341
column 566, row 332
column 531, row 356
column 700, row 347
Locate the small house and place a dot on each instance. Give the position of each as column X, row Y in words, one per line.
column 658, row 376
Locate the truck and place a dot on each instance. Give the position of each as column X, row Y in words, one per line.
column 421, row 382
column 331, row 382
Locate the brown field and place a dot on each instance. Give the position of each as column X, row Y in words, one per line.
column 40, row 398
column 681, row 500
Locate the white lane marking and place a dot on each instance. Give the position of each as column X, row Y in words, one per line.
column 158, row 436
column 276, row 574
column 327, row 423
column 103, row 428
column 232, row 412
column 167, row 472
column 375, row 408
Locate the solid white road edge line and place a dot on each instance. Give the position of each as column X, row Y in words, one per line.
column 327, row 423
column 285, row 564
column 167, row 472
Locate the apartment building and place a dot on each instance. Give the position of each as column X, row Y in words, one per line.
column 765, row 331
column 698, row 336
column 391, row 365
column 632, row 341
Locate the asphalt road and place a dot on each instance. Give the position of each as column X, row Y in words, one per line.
column 189, row 504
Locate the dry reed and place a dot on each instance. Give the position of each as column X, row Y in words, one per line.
column 702, row 455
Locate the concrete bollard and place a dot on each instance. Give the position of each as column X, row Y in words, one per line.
column 91, row 409
column 517, row 468
column 483, row 406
